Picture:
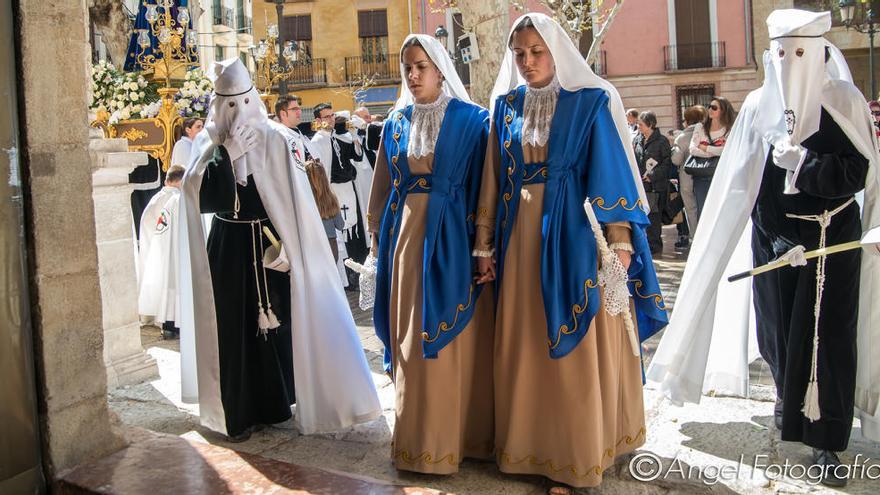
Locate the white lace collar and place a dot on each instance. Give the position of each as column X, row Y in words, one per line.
column 538, row 109
column 425, row 127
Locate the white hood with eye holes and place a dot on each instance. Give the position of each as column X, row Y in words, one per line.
column 236, row 102
column 795, row 73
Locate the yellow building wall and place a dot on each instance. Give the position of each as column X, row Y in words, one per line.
column 335, row 37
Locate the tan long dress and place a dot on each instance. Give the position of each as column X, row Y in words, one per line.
column 566, row 418
column 443, row 405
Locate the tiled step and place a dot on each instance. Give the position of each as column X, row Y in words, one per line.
column 168, row 464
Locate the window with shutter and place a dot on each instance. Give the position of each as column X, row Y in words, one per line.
column 298, row 28
column 693, row 34
column 688, row 96
column 373, row 32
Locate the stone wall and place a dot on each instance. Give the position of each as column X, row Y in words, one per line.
column 658, row 92
column 67, row 318
column 124, row 355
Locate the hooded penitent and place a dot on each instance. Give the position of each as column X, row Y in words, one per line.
column 334, row 388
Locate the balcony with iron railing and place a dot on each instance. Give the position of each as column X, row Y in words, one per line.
column 381, row 67
column 224, row 17
column 311, row 72
column 244, row 26
column 695, row 56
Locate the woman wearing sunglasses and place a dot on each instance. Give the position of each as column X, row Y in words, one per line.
column 708, row 141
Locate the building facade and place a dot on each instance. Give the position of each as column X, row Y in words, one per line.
column 662, row 55
column 666, row 55
column 347, row 51
column 225, row 29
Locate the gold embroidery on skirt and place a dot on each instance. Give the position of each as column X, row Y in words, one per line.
column 596, row 470
column 424, row 458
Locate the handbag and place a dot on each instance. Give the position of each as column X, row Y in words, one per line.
column 702, row 166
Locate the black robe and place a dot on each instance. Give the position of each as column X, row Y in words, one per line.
column 142, row 176
column 369, row 137
column 343, row 172
column 832, row 172
column 256, row 372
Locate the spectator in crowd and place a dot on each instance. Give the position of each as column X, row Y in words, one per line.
column 708, row 141
column 183, row 146
column 632, row 120
column 680, row 153
column 653, row 154
column 328, row 205
column 874, row 105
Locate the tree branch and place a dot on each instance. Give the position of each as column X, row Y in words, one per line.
column 600, row 36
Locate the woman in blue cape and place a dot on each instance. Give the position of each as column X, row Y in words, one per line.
column 435, row 321
column 576, row 286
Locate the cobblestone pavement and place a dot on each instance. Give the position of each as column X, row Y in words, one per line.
column 718, row 446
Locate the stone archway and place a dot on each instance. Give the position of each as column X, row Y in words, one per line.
column 53, row 71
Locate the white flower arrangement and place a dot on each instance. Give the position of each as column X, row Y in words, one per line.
column 192, row 100
column 130, row 96
column 102, row 86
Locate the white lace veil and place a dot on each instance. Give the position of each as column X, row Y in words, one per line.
column 573, row 74
column 452, row 85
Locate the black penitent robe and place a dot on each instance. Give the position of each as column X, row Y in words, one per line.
column 343, row 172
column 256, row 372
column 832, row 172
column 366, row 137
column 143, row 177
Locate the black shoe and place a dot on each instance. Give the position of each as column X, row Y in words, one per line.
column 777, row 414
column 169, row 335
column 829, row 461
column 241, row 437
column 683, row 242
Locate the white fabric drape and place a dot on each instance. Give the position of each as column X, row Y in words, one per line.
column 334, row 387
column 452, row 85
column 713, row 320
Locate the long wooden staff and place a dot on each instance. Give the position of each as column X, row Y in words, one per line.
column 871, row 238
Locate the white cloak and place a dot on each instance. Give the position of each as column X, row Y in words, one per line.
column 334, row 386
column 157, row 260
column 708, row 343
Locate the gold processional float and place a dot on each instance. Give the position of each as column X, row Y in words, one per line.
column 176, row 53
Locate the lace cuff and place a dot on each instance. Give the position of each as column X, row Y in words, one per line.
column 621, row 246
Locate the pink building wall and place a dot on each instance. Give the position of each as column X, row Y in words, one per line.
column 733, row 30
column 634, row 44
column 427, row 21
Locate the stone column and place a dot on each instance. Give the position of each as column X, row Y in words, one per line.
column 124, row 355
column 53, row 68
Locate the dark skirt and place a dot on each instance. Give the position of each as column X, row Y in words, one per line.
column 256, row 372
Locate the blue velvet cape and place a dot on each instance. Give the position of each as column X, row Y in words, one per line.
column 134, row 49
column 585, row 159
column 449, row 294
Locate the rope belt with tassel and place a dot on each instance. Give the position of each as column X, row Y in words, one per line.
column 811, row 399
column 266, row 319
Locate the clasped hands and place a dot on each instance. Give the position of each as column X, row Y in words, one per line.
column 486, row 266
